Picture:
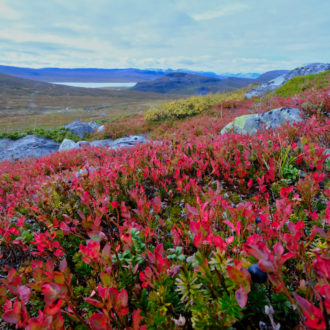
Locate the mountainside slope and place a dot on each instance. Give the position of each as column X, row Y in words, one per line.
column 269, row 75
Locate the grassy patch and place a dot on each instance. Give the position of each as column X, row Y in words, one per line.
column 299, row 84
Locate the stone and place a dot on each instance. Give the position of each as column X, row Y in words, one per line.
column 80, row 129
column 250, row 124
column 94, row 125
column 67, row 144
column 34, row 146
column 100, row 128
column 83, row 144
column 124, row 142
column 128, row 141
column 101, row 143
column 311, row 68
column 28, row 146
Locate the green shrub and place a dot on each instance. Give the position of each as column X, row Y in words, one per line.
column 56, row 134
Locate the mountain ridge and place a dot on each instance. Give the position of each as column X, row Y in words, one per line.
column 53, row 74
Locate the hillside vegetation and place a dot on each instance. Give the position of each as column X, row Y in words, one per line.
column 192, row 230
column 299, row 84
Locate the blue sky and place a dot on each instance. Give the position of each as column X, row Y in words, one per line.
column 210, row 35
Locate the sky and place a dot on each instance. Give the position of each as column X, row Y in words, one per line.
column 202, row 35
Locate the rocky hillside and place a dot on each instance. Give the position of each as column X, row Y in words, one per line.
column 193, row 230
column 269, row 75
column 280, row 80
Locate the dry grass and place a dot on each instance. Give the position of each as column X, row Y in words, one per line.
column 25, row 112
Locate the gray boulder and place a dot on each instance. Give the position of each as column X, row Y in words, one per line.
column 83, row 144
column 279, row 81
column 80, row 129
column 250, row 124
column 94, row 125
column 128, row 141
column 35, row 146
column 101, row 143
column 29, row 146
column 67, row 144
column 125, row 142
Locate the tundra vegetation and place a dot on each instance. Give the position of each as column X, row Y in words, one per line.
column 192, row 230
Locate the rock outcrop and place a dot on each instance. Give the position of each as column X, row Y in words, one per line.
column 79, row 128
column 250, row 124
column 279, row 81
column 29, row 146
column 35, row 146
column 125, row 142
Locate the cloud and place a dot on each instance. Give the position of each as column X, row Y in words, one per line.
column 220, row 12
column 213, row 35
column 7, row 12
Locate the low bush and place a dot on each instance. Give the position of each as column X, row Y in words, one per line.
column 191, row 106
column 56, row 134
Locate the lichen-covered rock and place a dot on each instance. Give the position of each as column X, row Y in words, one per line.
column 279, row 81
column 29, row 146
column 250, row 124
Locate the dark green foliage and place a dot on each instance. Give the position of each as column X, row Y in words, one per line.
column 56, row 134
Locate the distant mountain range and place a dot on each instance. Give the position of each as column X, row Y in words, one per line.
column 178, row 82
column 81, row 75
column 104, row 75
column 187, row 83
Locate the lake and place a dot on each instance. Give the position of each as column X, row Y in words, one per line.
column 97, row 85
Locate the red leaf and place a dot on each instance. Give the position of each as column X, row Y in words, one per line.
column 241, row 297
column 51, row 291
column 11, row 317
column 266, row 266
column 53, row 309
column 313, row 315
column 123, row 298
column 20, row 222
column 94, row 302
column 98, row 321
column 24, row 293
column 192, row 210
column 278, row 249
